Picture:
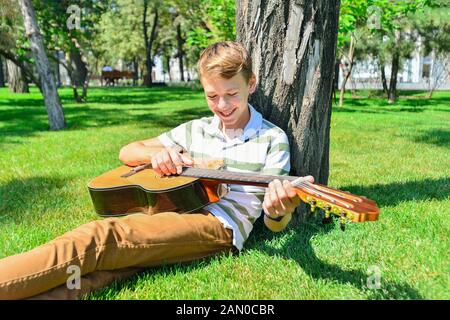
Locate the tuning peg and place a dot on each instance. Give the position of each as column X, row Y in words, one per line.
column 327, row 218
column 313, row 203
column 342, row 220
column 327, row 211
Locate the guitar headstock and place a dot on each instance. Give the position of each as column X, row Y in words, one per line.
column 347, row 206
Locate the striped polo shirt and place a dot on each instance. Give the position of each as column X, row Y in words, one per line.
column 260, row 147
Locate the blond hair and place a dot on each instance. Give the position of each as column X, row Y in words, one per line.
column 225, row 59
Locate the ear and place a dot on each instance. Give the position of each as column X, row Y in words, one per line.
column 252, row 84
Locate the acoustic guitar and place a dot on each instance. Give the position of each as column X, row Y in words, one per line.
column 127, row 190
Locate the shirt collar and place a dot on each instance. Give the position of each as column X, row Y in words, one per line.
column 251, row 128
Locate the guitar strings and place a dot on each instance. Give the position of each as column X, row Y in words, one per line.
column 305, row 185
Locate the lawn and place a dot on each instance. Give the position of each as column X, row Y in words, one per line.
column 396, row 154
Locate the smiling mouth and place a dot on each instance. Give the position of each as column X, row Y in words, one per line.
column 225, row 115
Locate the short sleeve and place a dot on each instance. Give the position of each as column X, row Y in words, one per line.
column 180, row 135
column 278, row 159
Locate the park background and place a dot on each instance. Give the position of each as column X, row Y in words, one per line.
column 388, row 140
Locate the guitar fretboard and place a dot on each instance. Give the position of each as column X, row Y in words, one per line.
column 233, row 177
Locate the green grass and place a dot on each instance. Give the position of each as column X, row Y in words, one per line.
column 396, row 154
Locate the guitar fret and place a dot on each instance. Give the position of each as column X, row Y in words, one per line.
column 233, row 176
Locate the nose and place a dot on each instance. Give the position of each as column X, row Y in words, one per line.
column 223, row 103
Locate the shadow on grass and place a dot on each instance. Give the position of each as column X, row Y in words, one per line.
column 24, row 117
column 19, row 198
column 381, row 106
column 437, row 137
column 147, row 117
column 299, row 249
column 391, row 194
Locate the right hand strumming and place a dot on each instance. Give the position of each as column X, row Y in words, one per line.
column 170, row 161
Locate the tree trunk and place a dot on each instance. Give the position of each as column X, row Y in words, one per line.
column 149, row 42
column 293, row 46
column 186, row 63
column 79, row 77
column 26, row 68
column 135, row 72
column 16, row 79
column 51, row 98
column 168, row 68
column 349, row 71
column 383, row 78
column 392, row 93
column 180, row 53
column 2, row 75
column 58, row 70
column 336, row 75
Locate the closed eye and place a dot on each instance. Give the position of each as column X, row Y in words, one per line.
column 232, row 94
column 212, row 97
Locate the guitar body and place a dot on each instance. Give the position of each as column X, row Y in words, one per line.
column 147, row 192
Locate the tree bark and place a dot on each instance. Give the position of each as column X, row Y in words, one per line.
column 149, row 42
column 293, row 46
column 180, row 53
column 2, row 75
column 16, row 80
column 57, row 69
column 51, row 98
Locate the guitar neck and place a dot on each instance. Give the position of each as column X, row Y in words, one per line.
column 242, row 178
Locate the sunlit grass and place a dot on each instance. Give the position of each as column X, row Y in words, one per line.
column 396, row 154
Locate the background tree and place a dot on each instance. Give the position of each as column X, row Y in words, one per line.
column 293, row 46
column 51, row 98
column 122, row 20
column 353, row 14
column 151, row 12
column 14, row 48
column 70, row 26
column 397, row 36
column 210, row 21
column 433, row 27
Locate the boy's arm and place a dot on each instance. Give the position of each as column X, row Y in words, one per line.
column 164, row 160
column 140, row 152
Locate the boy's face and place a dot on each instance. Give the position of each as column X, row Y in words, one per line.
column 228, row 98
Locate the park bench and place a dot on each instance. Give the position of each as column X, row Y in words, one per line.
column 110, row 77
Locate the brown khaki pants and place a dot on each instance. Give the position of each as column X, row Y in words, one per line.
column 110, row 249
